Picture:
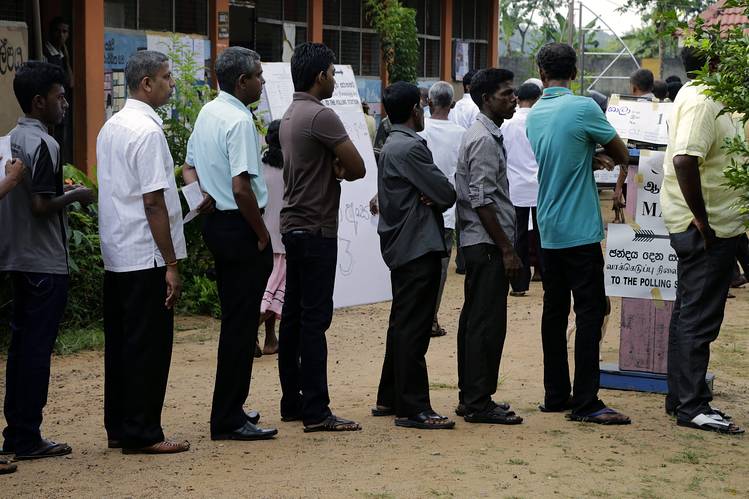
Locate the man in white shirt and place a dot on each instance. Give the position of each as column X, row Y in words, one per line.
column 465, row 111
column 522, row 174
column 443, row 139
column 140, row 226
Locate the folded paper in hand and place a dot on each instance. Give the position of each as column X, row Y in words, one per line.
column 194, row 196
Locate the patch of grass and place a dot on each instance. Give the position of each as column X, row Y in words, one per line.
column 75, row 340
column 555, row 433
column 517, row 462
column 598, row 493
column 378, row 495
column 458, row 472
column 696, row 484
column 441, row 493
column 687, row 456
column 442, row 386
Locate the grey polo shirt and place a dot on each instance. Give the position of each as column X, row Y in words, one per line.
column 407, row 227
column 32, row 243
column 481, row 180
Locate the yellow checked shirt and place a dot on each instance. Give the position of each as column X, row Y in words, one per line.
column 695, row 129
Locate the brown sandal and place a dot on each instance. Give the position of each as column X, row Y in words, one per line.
column 163, row 447
column 7, row 467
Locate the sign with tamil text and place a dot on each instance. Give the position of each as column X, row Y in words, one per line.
column 639, row 120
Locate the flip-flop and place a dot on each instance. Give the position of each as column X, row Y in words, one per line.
column 380, row 411
column 46, row 448
column 599, row 417
column 711, row 422
column 333, row 423
column 421, row 421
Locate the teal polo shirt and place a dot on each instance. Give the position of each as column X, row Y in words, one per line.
column 225, row 143
column 564, row 130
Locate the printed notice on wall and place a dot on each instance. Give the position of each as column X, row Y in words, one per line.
column 639, row 264
column 643, row 121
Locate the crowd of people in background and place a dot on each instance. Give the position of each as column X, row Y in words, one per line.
column 504, row 169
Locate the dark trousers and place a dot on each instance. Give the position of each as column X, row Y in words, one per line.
column 404, row 383
column 522, row 245
column 242, row 272
column 482, row 327
column 138, row 334
column 306, row 316
column 445, row 263
column 38, row 304
column 742, row 256
column 578, row 270
column 704, row 278
column 460, row 265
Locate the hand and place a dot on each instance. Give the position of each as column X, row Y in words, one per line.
column 207, row 205
column 262, row 242
column 83, row 195
column 338, row 170
column 374, row 205
column 707, row 232
column 14, row 170
column 173, row 286
column 425, row 200
column 512, row 263
column 603, row 161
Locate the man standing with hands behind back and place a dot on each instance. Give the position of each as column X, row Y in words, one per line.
column 318, row 155
column 140, row 225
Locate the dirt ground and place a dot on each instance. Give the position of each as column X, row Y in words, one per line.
column 545, row 456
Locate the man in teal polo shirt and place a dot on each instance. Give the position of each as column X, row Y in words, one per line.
column 224, row 153
column 564, row 131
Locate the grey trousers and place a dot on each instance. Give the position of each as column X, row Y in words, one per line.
column 704, row 277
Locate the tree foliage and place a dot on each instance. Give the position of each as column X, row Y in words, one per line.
column 396, row 26
column 727, row 81
column 521, row 17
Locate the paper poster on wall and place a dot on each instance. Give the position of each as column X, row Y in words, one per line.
column 461, row 59
column 196, row 46
column 362, row 276
column 14, row 49
column 639, row 264
column 649, row 179
column 120, row 45
column 639, row 120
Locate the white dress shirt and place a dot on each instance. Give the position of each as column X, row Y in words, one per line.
column 522, row 169
column 133, row 159
column 465, row 112
column 443, row 140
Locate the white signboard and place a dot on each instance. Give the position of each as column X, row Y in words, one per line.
column 639, row 120
column 649, row 178
column 606, row 176
column 639, row 264
column 362, row 276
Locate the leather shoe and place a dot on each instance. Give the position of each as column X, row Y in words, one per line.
column 253, row 417
column 248, row 432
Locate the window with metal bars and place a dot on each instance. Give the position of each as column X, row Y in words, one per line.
column 181, row 16
column 429, row 29
column 270, row 17
column 471, row 25
column 348, row 33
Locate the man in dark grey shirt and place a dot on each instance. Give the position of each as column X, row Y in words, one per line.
column 487, row 226
column 412, row 194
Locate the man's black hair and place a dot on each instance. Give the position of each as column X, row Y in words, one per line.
column 399, row 100
column 673, row 89
column 35, row 78
column 660, row 89
column 528, row 91
column 273, row 155
column 309, row 60
column 693, row 59
column 467, row 78
column 642, row 79
column 55, row 22
column 673, row 78
column 233, row 63
column 558, row 60
column 487, row 81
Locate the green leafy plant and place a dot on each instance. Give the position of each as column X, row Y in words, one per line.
column 396, row 26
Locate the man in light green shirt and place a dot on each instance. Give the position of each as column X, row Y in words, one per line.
column 704, row 223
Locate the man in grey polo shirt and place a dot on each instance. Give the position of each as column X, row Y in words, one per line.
column 486, row 218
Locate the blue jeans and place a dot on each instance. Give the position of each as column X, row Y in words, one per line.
column 38, row 304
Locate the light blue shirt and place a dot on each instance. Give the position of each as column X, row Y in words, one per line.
column 224, row 143
column 564, row 130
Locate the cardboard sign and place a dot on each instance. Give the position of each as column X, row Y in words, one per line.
column 649, row 179
column 639, row 120
column 639, row 264
column 14, row 50
column 362, row 276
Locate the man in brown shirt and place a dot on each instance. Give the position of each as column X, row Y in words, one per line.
column 318, row 155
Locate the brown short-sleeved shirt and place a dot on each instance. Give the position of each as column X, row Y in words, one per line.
column 309, row 133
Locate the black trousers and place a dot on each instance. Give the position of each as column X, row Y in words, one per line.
column 522, row 245
column 704, row 279
column 404, row 383
column 482, row 327
column 306, row 316
column 38, row 304
column 242, row 272
column 138, row 334
column 578, row 270
column 742, row 256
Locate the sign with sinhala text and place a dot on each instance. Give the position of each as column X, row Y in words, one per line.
column 642, row 121
column 13, row 52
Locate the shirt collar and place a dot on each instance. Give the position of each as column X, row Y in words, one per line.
column 408, row 131
column 143, row 108
column 551, row 92
column 32, row 122
column 53, row 50
column 230, row 99
column 490, row 125
column 306, row 96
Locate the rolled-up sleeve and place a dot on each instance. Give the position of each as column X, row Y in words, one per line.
column 482, row 156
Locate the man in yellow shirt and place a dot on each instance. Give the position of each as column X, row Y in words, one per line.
column 704, row 224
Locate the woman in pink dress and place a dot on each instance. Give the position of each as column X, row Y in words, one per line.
column 270, row 307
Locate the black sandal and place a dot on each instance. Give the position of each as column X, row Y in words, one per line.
column 711, row 422
column 427, row 420
column 6, row 467
column 381, row 410
column 496, row 415
column 333, row 423
column 605, row 416
column 46, row 448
